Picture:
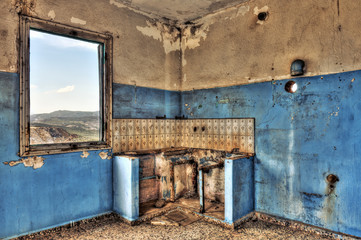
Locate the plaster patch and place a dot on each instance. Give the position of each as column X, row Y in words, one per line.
column 256, row 11
column 85, row 154
column 150, row 32
column 184, row 77
column 116, row 3
column 168, row 35
column 77, row 21
column 193, row 35
column 242, row 10
column 104, row 155
column 51, row 14
column 34, row 162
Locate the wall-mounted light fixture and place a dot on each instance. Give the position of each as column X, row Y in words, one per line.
column 297, row 67
column 291, row 87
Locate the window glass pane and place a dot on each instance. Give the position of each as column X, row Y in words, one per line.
column 65, row 89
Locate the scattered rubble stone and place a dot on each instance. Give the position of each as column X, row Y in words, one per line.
column 112, row 227
column 160, row 203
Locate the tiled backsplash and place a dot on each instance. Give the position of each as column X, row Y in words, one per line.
column 217, row 134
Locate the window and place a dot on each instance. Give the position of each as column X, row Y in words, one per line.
column 65, row 88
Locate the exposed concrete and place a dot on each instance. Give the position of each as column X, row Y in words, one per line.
column 233, row 47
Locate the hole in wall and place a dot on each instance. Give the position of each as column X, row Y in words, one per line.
column 195, row 129
column 262, row 16
column 332, row 179
column 291, row 87
column 203, row 128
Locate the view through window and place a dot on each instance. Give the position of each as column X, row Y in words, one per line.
column 65, row 89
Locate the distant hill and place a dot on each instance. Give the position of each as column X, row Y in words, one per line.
column 81, row 126
column 76, row 115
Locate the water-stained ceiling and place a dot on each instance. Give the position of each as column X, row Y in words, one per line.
column 180, row 10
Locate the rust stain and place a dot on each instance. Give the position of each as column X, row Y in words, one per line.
column 330, row 200
column 34, row 162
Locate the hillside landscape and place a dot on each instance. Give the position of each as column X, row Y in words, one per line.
column 64, row 127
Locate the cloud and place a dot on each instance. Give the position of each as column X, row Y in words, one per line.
column 33, row 86
column 36, row 34
column 62, row 42
column 66, row 89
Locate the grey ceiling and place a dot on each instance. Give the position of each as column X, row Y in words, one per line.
column 180, row 10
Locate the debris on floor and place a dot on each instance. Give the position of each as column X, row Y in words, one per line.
column 181, row 217
column 163, row 221
column 112, row 227
column 160, row 203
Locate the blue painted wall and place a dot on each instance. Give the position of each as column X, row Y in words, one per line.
column 126, row 187
column 300, row 139
column 141, row 102
column 239, row 188
column 66, row 188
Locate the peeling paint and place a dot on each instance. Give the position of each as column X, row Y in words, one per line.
column 85, row 154
column 117, row 4
column 51, row 14
column 150, row 32
column 166, row 34
column 77, row 21
column 34, row 162
column 192, row 36
column 105, row 155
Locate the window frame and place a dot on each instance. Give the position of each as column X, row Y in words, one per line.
column 27, row 23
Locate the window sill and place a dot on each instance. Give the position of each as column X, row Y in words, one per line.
column 63, row 148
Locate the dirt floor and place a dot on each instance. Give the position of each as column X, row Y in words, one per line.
column 111, row 227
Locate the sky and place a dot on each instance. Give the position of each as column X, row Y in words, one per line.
column 64, row 74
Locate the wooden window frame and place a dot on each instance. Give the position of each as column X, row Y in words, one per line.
column 27, row 23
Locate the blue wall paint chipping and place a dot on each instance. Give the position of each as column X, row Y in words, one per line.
column 141, row 102
column 66, row 188
column 300, row 139
column 239, row 188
